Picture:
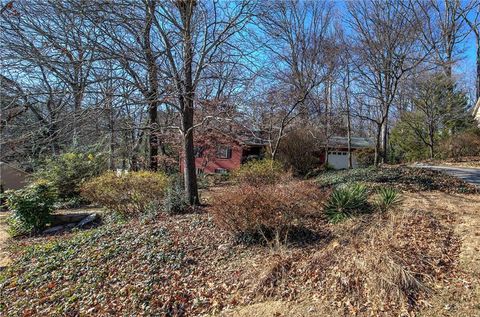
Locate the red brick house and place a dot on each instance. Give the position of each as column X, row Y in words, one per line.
column 225, row 156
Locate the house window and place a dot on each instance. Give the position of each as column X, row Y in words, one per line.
column 221, row 171
column 198, row 151
column 224, row 152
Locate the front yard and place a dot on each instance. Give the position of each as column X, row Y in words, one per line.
column 421, row 258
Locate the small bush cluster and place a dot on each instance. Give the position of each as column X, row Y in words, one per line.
column 365, row 157
column 128, row 194
column 269, row 211
column 31, row 207
column 68, row 171
column 387, row 198
column 175, row 201
column 260, row 172
column 346, row 201
column 462, row 144
column 352, row 199
column 293, row 155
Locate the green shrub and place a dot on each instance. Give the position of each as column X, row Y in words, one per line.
column 346, row 201
column 128, row 194
column 260, row 172
column 31, row 207
column 68, row 171
column 175, row 201
column 387, row 198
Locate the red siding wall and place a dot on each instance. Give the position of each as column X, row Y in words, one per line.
column 209, row 163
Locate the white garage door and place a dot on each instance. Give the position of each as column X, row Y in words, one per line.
column 339, row 159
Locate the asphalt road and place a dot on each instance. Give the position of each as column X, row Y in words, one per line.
column 470, row 175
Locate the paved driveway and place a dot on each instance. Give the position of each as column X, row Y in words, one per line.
column 468, row 174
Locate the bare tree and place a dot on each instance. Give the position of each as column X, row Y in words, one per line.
column 444, row 30
column 50, row 37
column 387, row 46
column 192, row 34
column 471, row 15
column 297, row 36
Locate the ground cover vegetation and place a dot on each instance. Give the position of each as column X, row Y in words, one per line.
column 186, row 265
column 253, row 242
column 404, row 178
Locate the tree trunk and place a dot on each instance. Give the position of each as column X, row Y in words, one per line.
column 152, row 97
column 78, row 98
column 384, row 140
column 432, row 143
column 111, row 161
column 349, row 136
column 327, row 118
column 190, row 174
column 153, row 137
column 135, row 149
column 478, row 67
column 378, row 145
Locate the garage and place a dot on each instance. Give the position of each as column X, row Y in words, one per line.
column 339, row 159
column 338, row 151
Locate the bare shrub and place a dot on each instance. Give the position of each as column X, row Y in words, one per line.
column 461, row 144
column 293, row 155
column 271, row 211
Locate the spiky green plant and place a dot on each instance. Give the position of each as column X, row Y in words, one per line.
column 387, row 198
column 346, row 201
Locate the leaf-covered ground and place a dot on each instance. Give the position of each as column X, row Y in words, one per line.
column 401, row 177
column 184, row 266
column 4, row 258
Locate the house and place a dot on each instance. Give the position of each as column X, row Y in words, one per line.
column 12, row 177
column 225, row 155
column 476, row 112
column 338, row 151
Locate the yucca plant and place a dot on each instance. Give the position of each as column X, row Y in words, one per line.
column 387, row 198
column 346, row 201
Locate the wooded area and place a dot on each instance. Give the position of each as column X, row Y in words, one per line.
column 142, row 81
